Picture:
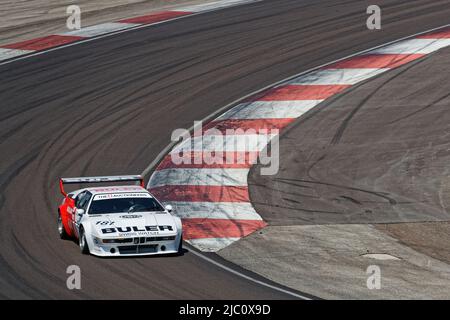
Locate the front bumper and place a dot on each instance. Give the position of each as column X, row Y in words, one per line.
column 141, row 247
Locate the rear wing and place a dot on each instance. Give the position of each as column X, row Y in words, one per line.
column 104, row 179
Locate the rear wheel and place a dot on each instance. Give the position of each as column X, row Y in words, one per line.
column 61, row 230
column 82, row 241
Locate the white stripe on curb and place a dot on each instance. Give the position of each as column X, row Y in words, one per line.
column 99, row 29
column 215, row 5
column 413, row 46
column 199, row 177
column 11, row 53
column 269, row 110
column 337, row 76
column 225, row 143
column 215, row 210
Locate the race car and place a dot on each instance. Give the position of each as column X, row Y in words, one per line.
column 117, row 220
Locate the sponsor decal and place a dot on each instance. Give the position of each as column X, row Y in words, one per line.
column 134, row 230
column 131, row 216
column 105, row 223
column 121, row 196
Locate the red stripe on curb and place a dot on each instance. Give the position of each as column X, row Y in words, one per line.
column 156, row 17
column 232, row 160
column 442, row 34
column 246, row 124
column 201, row 193
column 43, row 43
column 375, row 61
column 302, row 92
column 219, row 228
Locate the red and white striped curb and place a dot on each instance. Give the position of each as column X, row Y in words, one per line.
column 213, row 200
column 22, row 48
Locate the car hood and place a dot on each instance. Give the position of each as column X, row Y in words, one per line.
column 133, row 224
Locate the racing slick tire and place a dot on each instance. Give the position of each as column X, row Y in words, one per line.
column 61, row 230
column 82, row 242
column 180, row 246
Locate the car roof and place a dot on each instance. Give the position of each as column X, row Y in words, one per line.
column 112, row 189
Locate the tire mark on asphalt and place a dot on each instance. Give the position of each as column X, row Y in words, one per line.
column 345, row 123
column 375, row 193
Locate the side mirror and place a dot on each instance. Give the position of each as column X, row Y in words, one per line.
column 169, row 208
column 80, row 212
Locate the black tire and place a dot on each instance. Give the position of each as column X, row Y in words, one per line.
column 180, row 246
column 82, row 242
column 61, row 230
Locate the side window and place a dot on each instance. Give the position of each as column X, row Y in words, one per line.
column 79, row 198
column 84, row 201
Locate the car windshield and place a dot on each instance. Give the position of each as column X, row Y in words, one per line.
column 124, row 204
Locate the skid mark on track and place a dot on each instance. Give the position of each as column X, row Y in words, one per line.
column 340, row 131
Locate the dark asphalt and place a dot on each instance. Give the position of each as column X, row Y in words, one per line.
column 109, row 106
column 378, row 153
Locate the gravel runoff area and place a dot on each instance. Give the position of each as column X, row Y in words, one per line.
column 365, row 173
column 24, row 20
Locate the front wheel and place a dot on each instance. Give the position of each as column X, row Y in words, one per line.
column 83, row 244
column 61, row 230
column 180, row 246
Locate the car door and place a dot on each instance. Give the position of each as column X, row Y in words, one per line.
column 82, row 203
column 73, row 213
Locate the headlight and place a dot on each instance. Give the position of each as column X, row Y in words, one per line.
column 97, row 241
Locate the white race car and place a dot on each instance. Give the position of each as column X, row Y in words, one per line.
column 118, row 220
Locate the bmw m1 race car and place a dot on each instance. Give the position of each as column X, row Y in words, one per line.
column 117, row 220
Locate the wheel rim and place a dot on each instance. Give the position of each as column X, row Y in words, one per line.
column 60, row 225
column 82, row 241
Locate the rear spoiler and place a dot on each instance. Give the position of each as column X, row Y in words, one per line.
column 104, row 179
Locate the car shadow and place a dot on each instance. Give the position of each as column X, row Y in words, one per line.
column 156, row 256
column 162, row 255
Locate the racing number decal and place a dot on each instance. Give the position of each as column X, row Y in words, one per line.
column 105, row 223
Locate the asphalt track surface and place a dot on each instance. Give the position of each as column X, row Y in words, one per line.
column 376, row 153
column 109, row 106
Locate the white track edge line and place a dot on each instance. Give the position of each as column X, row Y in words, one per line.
column 260, row 282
